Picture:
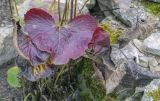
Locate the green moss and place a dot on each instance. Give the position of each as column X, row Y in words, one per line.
column 113, row 33
column 152, row 7
column 91, row 88
column 155, row 94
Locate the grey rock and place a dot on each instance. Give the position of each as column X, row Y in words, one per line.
column 5, row 13
column 90, row 4
column 143, row 61
column 154, row 65
column 152, row 44
column 7, row 50
column 110, row 7
column 114, row 79
column 141, row 32
column 135, row 50
column 133, row 68
column 134, row 15
column 125, row 11
column 131, row 51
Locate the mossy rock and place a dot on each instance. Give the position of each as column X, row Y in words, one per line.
column 91, row 87
column 152, row 7
column 114, row 34
column 155, row 94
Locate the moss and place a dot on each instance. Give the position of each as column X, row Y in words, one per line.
column 152, row 7
column 113, row 33
column 155, row 94
column 91, row 88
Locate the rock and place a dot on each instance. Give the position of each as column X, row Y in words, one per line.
column 4, row 13
column 154, row 85
column 152, row 44
column 135, row 50
column 109, row 7
column 7, row 50
column 158, row 26
column 130, row 51
column 143, row 61
column 154, row 65
column 138, row 69
column 90, row 4
column 114, row 79
column 126, row 11
column 134, row 14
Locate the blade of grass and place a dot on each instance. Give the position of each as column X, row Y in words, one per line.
column 59, row 10
column 64, row 12
column 71, row 10
column 67, row 12
column 75, row 8
column 59, row 74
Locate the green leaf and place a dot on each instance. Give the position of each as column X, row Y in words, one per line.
column 12, row 77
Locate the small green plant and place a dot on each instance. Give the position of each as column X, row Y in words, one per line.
column 155, row 94
column 12, row 77
column 113, row 33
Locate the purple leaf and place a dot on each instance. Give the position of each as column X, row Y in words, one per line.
column 62, row 42
column 31, row 51
column 99, row 40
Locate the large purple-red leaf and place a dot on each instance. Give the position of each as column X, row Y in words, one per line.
column 31, row 51
column 63, row 43
column 99, row 40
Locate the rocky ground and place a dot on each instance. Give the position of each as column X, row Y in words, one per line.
column 6, row 28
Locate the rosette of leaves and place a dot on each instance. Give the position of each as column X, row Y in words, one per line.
column 12, row 77
column 45, row 42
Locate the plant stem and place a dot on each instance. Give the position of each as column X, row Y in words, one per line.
column 59, row 10
column 75, row 8
column 80, row 11
column 64, row 13
column 71, row 11
column 67, row 11
column 59, row 74
column 10, row 6
column 16, row 7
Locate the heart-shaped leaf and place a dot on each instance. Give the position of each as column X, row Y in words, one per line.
column 62, row 42
column 31, row 51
